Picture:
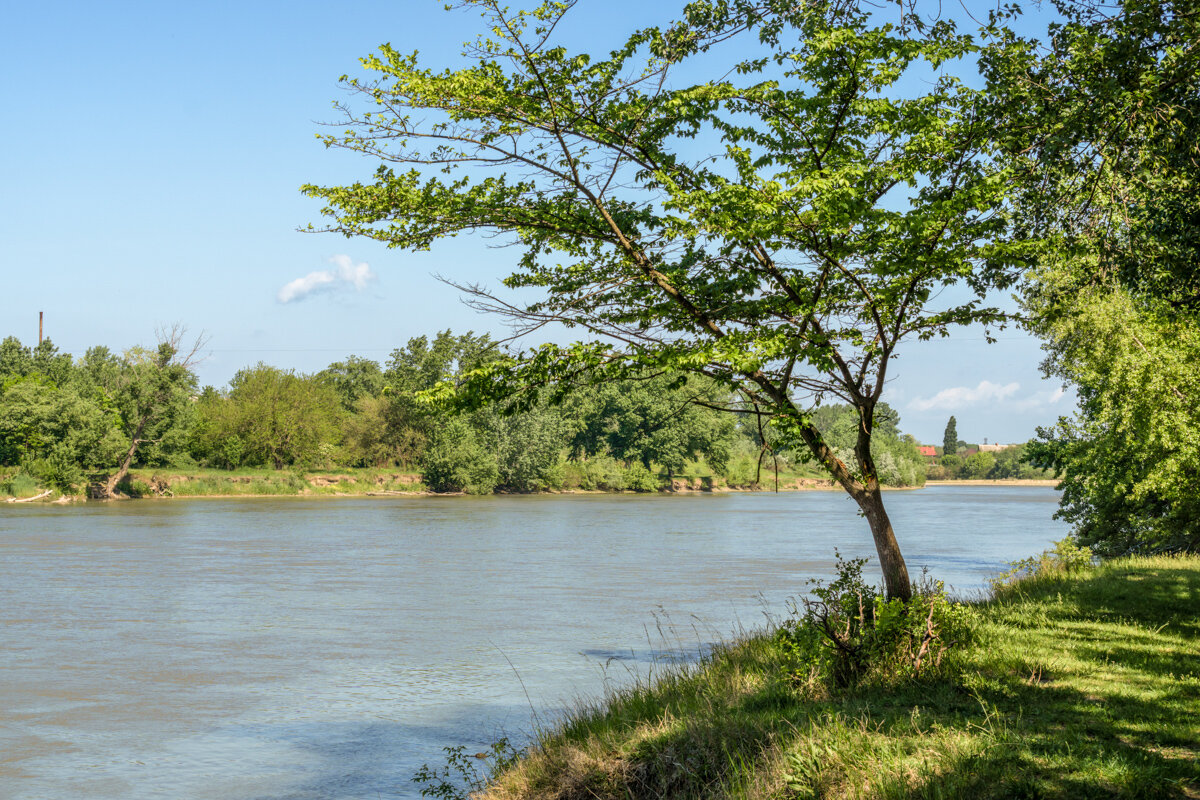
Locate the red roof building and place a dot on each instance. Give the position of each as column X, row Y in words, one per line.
column 928, row 450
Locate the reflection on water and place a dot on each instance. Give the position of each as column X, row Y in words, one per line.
column 325, row 649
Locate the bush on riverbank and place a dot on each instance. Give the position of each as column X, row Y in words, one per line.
column 19, row 485
column 1081, row 682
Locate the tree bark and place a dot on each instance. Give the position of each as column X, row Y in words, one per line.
column 869, row 498
column 895, row 573
column 110, row 486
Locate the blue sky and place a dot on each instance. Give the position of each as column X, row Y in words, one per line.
column 152, row 154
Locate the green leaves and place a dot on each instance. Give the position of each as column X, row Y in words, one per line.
column 1105, row 144
column 1106, row 140
column 270, row 416
column 1131, row 457
column 778, row 223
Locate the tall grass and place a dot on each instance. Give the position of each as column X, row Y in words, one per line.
column 19, row 485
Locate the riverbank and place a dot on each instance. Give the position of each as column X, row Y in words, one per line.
column 198, row 482
column 363, row 482
column 1077, row 685
column 999, row 482
column 369, row 482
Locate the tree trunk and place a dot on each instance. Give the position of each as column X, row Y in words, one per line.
column 895, row 573
column 110, row 486
column 869, row 498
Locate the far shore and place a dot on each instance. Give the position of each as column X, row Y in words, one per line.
column 998, row 482
column 319, row 487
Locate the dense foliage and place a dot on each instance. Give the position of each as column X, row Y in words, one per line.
column 1130, row 459
column 68, row 422
column 1015, row 461
column 950, row 438
column 1106, row 139
column 61, row 419
column 848, row 633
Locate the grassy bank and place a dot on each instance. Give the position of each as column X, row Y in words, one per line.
column 197, row 482
column 602, row 476
column 350, row 482
column 1075, row 685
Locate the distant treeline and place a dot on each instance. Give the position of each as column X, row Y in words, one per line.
column 1011, row 462
column 66, row 422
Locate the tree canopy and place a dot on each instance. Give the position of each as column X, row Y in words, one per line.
column 1105, row 136
column 779, row 227
column 950, row 438
column 1106, row 142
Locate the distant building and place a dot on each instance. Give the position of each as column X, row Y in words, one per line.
column 995, row 448
column 928, row 450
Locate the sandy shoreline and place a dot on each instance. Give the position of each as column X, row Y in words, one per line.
column 789, row 487
column 1000, row 482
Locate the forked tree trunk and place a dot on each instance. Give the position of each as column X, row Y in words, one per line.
column 869, row 498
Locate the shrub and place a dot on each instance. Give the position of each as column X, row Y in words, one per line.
column 464, row 776
column 849, row 633
column 456, row 461
column 21, row 484
column 600, row 472
column 640, row 479
column 231, row 452
column 952, row 465
column 1067, row 558
column 134, row 488
column 59, row 469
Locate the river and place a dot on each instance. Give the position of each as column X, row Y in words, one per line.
column 302, row 649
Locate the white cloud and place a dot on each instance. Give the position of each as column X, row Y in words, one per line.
column 963, row 396
column 345, row 273
column 1042, row 399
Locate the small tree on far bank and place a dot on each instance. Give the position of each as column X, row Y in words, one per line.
column 950, row 438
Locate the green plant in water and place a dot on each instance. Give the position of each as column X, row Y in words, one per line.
column 461, row 775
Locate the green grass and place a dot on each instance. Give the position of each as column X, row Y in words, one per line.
column 19, row 485
column 600, row 474
column 1079, row 685
column 201, row 482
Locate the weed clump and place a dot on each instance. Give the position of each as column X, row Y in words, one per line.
column 22, row 484
column 465, row 774
column 1065, row 559
column 848, row 633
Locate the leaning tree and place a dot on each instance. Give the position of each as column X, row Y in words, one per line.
column 150, row 390
column 779, row 227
